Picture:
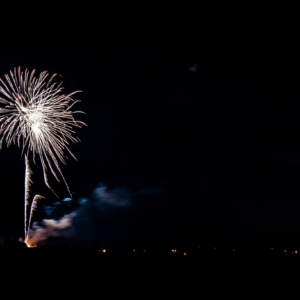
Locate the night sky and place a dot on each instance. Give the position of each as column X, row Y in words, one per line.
column 193, row 136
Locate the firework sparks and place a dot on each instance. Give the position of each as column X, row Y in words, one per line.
column 36, row 112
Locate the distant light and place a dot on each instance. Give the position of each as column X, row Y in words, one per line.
column 133, row 250
column 215, row 248
column 271, row 248
column 104, row 250
column 174, row 250
column 144, row 251
column 296, row 251
column 184, row 254
column 284, row 250
column 233, row 250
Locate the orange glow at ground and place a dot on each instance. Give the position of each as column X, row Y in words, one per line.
column 30, row 245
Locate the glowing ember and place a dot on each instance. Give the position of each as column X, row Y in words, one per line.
column 30, row 245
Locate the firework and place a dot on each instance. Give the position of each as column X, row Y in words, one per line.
column 37, row 116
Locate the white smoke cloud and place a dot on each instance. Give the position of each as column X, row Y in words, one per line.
column 80, row 222
column 53, row 228
column 116, row 197
column 65, row 226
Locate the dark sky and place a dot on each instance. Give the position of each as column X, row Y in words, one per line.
column 208, row 154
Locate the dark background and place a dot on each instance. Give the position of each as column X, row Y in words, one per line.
column 203, row 155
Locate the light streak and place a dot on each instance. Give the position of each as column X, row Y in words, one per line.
column 32, row 210
column 28, row 183
column 36, row 112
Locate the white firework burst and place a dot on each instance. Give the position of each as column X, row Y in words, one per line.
column 36, row 114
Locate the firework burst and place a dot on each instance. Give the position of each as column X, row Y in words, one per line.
column 37, row 116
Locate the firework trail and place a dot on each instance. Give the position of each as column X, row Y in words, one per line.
column 28, row 183
column 32, row 210
column 36, row 112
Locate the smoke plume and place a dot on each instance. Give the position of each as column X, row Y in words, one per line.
column 52, row 228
